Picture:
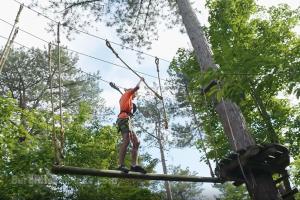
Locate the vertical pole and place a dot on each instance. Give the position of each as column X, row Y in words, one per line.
column 60, row 90
column 163, row 159
column 7, row 51
column 54, row 142
column 9, row 40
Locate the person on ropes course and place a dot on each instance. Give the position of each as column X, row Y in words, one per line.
column 124, row 126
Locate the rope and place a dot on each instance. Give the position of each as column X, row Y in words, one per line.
column 234, row 140
column 160, row 88
column 202, row 139
column 113, row 85
column 185, row 81
column 116, row 54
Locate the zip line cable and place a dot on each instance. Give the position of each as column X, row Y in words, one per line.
column 123, row 46
column 91, row 35
column 117, row 65
column 80, row 53
column 79, row 70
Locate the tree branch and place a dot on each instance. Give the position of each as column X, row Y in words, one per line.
column 78, row 4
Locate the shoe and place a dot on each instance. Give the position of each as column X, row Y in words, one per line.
column 138, row 169
column 123, row 169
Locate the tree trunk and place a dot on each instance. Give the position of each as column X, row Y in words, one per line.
column 205, row 60
column 229, row 113
column 196, row 35
column 234, row 125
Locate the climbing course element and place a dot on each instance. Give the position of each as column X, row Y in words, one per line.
column 160, row 88
column 10, row 40
column 111, row 48
column 130, row 175
column 113, row 85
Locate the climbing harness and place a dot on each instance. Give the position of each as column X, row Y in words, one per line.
column 134, row 107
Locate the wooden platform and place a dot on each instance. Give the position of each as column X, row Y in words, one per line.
column 271, row 158
column 131, row 175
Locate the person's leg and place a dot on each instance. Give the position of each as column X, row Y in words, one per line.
column 135, row 147
column 134, row 153
column 123, row 148
column 124, row 129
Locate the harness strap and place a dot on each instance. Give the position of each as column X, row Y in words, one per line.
column 128, row 113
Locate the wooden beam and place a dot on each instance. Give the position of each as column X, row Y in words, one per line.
column 131, row 175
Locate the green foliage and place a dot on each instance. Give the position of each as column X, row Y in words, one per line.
column 26, row 77
column 258, row 53
column 186, row 80
column 26, row 148
column 24, row 163
column 112, row 191
column 296, row 170
column 229, row 192
column 22, row 159
column 184, row 190
column 259, row 43
column 253, row 47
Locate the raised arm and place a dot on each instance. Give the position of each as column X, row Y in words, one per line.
column 138, row 84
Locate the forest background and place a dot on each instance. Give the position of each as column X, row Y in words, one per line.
column 264, row 42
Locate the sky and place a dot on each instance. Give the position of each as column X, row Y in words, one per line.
column 165, row 47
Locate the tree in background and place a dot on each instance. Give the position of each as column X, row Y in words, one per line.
column 228, row 192
column 260, row 56
column 26, row 77
column 150, row 122
column 247, row 9
column 22, row 161
column 184, row 190
column 24, row 112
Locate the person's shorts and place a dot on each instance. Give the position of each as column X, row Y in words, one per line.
column 124, row 125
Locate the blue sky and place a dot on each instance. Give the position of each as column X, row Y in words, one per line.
column 166, row 47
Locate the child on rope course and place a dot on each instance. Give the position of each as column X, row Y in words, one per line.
column 124, row 126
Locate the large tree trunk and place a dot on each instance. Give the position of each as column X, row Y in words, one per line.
column 205, row 60
column 230, row 115
column 234, row 125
